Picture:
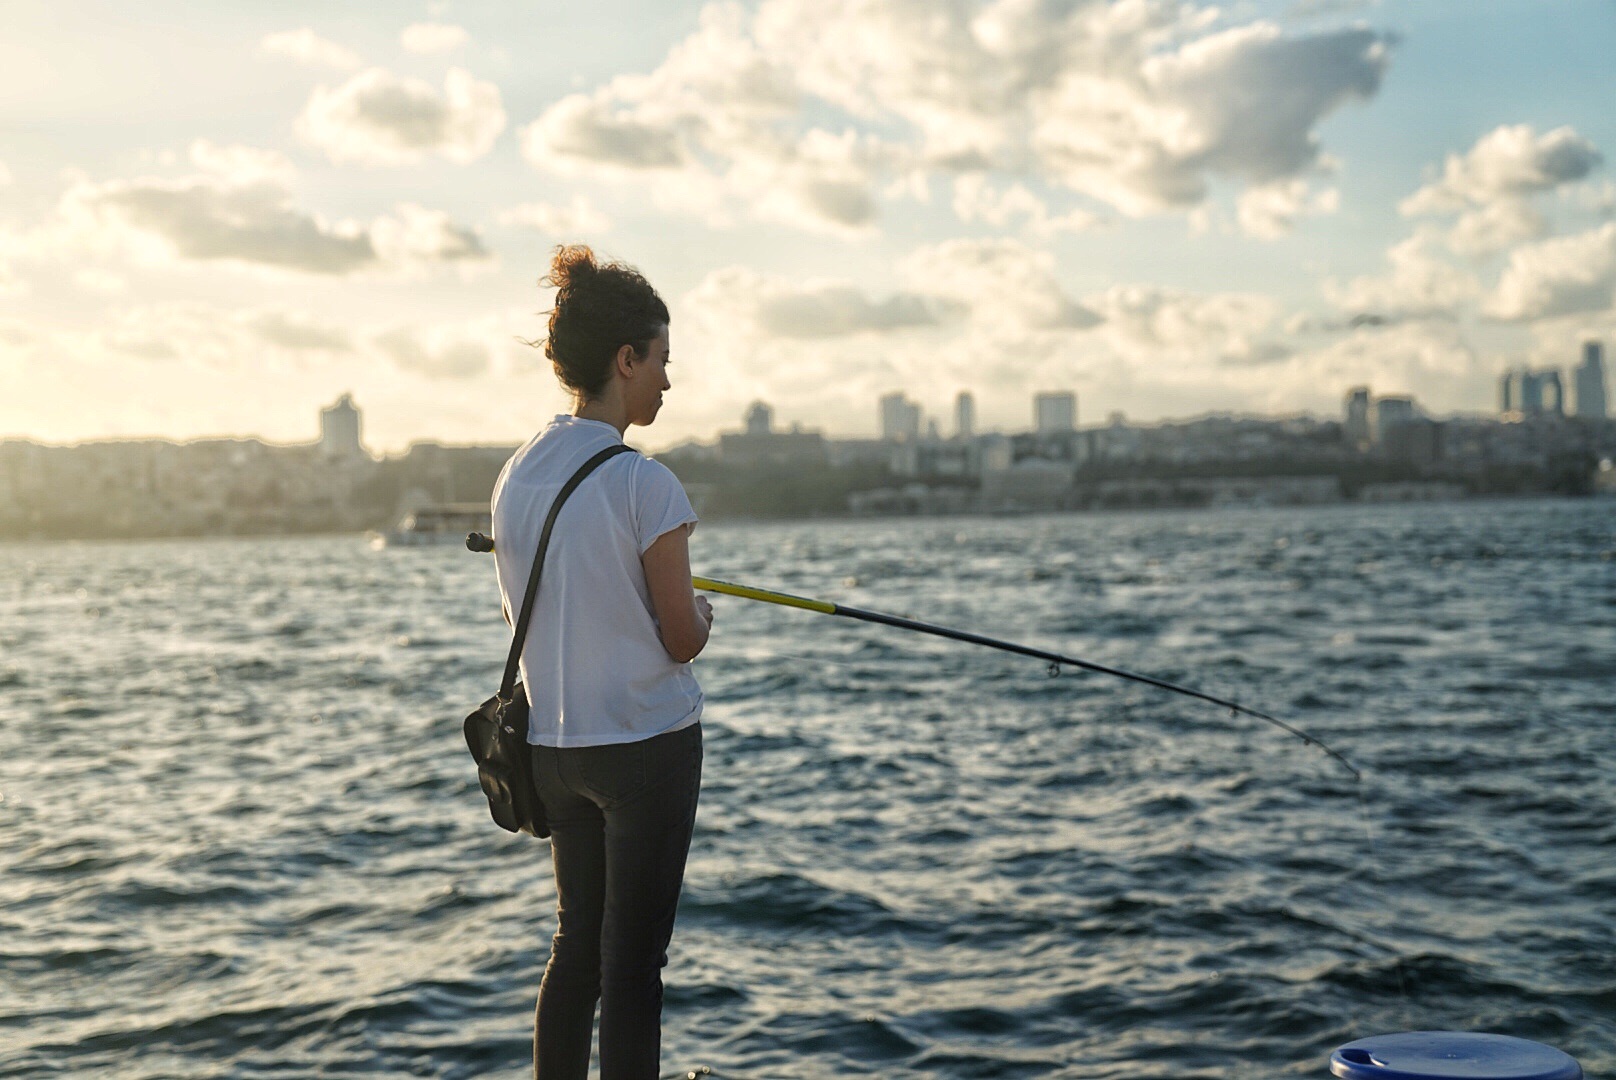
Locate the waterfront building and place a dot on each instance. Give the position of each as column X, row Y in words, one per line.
column 1589, row 381
column 1054, row 412
column 1391, row 411
column 900, row 418
column 761, row 446
column 1541, row 392
column 759, row 419
column 1355, row 428
column 339, row 429
column 964, row 415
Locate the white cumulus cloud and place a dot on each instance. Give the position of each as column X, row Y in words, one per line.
column 1271, row 210
column 242, row 211
column 1135, row 105
column 378, row 118
column 774, row 307
column 433, row 37
column 1418, row 284
column 1564, row 275
column 1509, row 161
column 578, row 216
column 307, row 47
column 436, row 353
column 1490, row 186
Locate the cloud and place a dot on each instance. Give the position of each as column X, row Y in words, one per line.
column 435, row 354
column 242, row 211
column 774, row 307
column 1270, row 211
column 377, row 118
column 977, row 200
column 243, row 165
column 1508, row 162
column 1242, row 103
column 307, row 47
column 1006, row 285
column 93, row 279
column 1491, row 184
column 416, row 235
column 1152, row 323
column 579, row 216
column 205, row 218
column 1565, row 275
column 5, row 175
column 12, row 287
column 1135, row 105
column 588, row 131
column 296, row 332
column 1419, row 284
column 433, row 37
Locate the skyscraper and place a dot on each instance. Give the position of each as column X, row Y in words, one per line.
column 1391, row 411
column 1589, row 381
column 1054, row 412
column 900, row 418
column 759, row 419
column 1509, row 390
column 1356, row 425
column 339, row 429
column 965, row 415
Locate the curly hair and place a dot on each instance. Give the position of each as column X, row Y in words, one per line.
column 598, row 309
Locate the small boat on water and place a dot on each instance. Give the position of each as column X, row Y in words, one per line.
column 444, row 523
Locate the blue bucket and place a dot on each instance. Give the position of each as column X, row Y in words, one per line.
column 1451, row 1055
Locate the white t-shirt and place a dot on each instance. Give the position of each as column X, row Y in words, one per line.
column 595, row 670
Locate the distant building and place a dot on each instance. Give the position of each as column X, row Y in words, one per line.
column 965, row 415
column 1509, row 391
column 1589, row 381
column 759, row 419
column 1391, row 411
column 339, row 429
column 1532, row 392
column 1417, row 440
column 1355, row 427
column 900, row 418
column 1054, row 412
column 761, row 445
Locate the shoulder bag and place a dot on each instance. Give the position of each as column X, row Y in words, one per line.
column 496, row 731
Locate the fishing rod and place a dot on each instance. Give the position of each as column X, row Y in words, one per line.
column 479, row 542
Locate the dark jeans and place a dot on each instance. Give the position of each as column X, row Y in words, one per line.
column 620, row 822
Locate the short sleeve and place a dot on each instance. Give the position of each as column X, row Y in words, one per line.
column 660, row 502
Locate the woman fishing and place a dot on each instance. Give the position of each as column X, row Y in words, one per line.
column 614, row 728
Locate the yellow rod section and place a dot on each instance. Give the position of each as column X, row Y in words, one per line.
column 767, row 596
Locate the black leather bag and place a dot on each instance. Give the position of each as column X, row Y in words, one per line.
column 496, row 731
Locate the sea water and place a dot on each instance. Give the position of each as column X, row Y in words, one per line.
column 240, row 835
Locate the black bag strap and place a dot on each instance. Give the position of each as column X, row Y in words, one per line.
column 507, row 685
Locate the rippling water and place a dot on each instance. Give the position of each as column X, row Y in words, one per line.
column 240, row 836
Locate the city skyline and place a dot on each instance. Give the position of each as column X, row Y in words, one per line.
column 203, row 232
column 897, row 418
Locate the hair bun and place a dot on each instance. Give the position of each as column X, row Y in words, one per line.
column 572, row 264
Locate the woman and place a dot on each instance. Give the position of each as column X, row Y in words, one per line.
column 615, row 727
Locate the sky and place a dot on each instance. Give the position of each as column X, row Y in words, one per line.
column 215, row 219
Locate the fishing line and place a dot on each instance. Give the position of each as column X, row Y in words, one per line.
column 1055, row 661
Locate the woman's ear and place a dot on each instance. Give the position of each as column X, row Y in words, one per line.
column 625, row 360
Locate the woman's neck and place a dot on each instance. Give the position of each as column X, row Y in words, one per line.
column 604, row 409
